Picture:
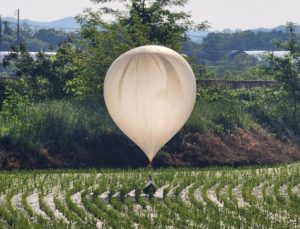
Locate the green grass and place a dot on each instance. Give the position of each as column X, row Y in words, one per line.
column 218, row 116
column 55, row 124
column 65, row 124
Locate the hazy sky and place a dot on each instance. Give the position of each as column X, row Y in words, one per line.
column 220, row 14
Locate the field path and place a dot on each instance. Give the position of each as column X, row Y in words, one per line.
column 238, row 195
column 49, row 199
column 198, row 195
column 211, row 193
column 76, row 198
column 33, row 201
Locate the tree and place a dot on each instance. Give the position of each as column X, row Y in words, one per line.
column 51, row 36
column 64, row 66
column 287, row 70
column 152, row 21
column 21, row 59
column 143, row 22
column 216, row 44
column 44, row 70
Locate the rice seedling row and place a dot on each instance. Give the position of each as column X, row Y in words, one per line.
column 252, row 197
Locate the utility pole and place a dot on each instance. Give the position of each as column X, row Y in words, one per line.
column 18, row 29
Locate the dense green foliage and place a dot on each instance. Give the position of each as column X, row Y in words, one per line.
column 140, row 23
column 220, row 110
column 63, row 126
column 46, row 76
column 287, row 72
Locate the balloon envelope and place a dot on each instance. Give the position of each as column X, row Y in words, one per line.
column 150, row 92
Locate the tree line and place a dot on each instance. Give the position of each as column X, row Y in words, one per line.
column 35, row 40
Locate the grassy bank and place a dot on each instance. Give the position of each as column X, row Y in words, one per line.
column 59, row 124
column 81, row 133
column 56, row 124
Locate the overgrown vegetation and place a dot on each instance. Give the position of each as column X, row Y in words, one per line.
column 57, row 124
column 70, row 129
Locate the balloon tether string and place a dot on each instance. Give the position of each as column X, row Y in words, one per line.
column 150, row 168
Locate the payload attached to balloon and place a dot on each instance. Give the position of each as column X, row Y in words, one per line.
column 150, row 92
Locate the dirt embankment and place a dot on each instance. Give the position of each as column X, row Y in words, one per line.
column 240, row 147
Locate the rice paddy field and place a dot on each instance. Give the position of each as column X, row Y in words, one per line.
column 247, row 197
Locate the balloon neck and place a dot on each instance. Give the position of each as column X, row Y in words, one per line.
column 150, row 165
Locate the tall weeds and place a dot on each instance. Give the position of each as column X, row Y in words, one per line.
column 55, row 124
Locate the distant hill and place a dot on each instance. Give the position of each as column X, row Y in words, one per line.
column 198, row 36
column 278, row 28
column 68, row 23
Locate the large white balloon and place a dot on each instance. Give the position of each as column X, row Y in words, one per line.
column 150, row 92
